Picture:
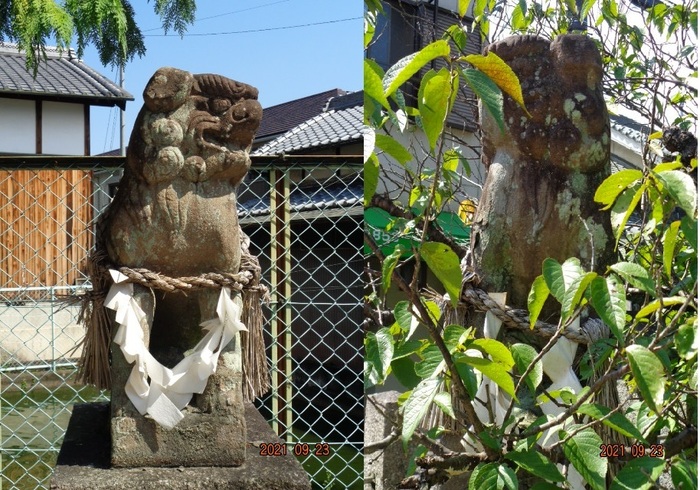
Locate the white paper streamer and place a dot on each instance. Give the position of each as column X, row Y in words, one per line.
column 169, row 390
column 489, row 392
column 557, row 364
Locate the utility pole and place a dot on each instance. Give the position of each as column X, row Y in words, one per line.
column 122, row 116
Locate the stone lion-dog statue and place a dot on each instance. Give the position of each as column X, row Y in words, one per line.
column 177, row 371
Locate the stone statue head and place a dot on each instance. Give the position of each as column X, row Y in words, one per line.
column 189, row 123
column 175, row 210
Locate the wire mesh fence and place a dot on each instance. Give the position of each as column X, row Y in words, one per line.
column 304, row 218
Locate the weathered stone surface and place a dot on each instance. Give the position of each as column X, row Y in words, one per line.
column 175, row 214
column 175, row 211
column 543, row 171
column 83, row 463
column 199, row 440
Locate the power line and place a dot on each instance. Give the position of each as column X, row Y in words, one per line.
column 242, row 10
column 226, row 13
column 249, row 31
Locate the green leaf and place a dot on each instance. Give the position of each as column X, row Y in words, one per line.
column 685, row 342
column 466, row 374
column 389, row 265
column 682, row 189
column 583, row 451
column 616, row 421
column 417, row 405
column 624, row 207
column 506, row 478
column 689, row 226
column 444, row 402
column 636, row 275
column 523, row 355
column 499, row 353
column 518, row 21
column 373, row 83
column 656, row 304
column 433, row 103
column 649, row 375
column 492, row 370
column 667, row 166
column 485, row 476
column 434, row 310
column 458, row 35
column 537, row 464
column 404, row 318
column 407, row 348
column 462, row 7
column 455, row 336
column 403, row 370
column 684, row 473
column 609, row 300
column 408, row 66
column 431, row 364
column 451, row 159
column 371, row 177
column 574, row 294
column 444, row 263
column 585, row 8
column 543, row 485
column 392, row 147
column 536, row 299
column 501, row 74
column 670, row 239
column 639, row 474
column 418, row 199
column 488, row 92
column 370, row 26
column 560, row 277
column 379, row 349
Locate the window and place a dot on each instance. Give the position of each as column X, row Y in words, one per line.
column 408, row 26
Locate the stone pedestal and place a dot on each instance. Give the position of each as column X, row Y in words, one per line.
column 201, row 439
column 84, row 461
column 213, row 431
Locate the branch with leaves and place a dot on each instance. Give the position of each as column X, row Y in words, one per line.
column 653, row 348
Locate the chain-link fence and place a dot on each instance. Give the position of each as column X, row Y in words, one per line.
column 304, row 218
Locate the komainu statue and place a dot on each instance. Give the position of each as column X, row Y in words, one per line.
column 168, row 280
column 537, row 201
column 543, row 171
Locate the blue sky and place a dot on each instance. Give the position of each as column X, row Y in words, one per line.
column 283, row 63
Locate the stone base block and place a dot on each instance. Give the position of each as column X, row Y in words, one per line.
column 200, row 439
column 84, row 461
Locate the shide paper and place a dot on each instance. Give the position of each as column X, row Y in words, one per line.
column 169, row 390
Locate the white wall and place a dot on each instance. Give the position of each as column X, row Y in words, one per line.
column 392, row 176
column 17, row 126
column 62, row 129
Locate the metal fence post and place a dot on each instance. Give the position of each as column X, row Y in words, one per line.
column 280, row 254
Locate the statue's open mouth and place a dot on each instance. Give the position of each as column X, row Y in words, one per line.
column 211, row 140
column 207, row 131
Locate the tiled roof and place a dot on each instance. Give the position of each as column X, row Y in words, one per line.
column 281, row 118
column 316, row 198
column 629, row 127
column 340, row 123
column 61, row 76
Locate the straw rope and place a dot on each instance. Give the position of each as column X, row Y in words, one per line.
column 95, row 365
column 591, row 331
